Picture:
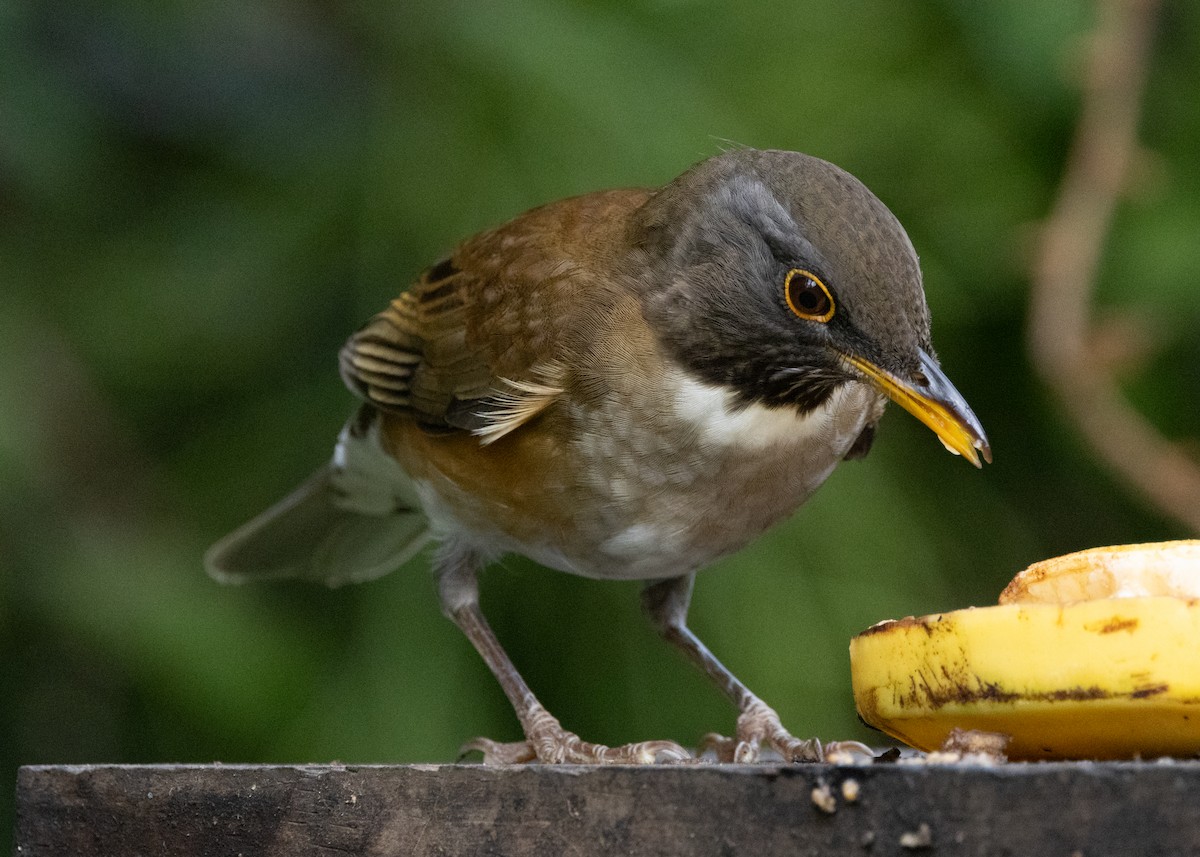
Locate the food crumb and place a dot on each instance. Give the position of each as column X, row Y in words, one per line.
column 972, row 741
column 966, row 746
column 823, row 799
column 850, row 790
column 922, row 837
column 842, row 757
column 938, row 757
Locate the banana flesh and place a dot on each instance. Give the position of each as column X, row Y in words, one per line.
column 1123, row 571
column 1097, row 678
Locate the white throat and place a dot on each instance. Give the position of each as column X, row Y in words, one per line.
column 720, row 423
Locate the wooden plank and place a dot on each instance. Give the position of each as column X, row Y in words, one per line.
column 1062, row 809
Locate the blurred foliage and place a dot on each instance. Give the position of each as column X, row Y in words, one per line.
column 198, row 202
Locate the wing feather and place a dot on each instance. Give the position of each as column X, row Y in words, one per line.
column 480, row 341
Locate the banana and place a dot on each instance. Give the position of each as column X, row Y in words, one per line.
column 1091, row 655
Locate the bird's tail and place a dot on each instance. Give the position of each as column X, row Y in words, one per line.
column 355, row 519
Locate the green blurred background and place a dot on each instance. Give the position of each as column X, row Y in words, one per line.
column 198, row 202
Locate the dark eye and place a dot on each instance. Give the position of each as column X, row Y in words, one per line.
column 807, row 296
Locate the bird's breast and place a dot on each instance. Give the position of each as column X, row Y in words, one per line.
column 698, row 478
column 651, row 484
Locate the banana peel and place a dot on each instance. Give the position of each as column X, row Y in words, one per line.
column 1090, row 656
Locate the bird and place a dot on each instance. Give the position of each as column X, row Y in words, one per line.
column 624, row 385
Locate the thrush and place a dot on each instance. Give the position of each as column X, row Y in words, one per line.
column 624, row 385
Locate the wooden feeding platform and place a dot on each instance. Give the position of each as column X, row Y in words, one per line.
column 1066, row 809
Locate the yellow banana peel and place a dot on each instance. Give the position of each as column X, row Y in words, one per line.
column 1094, row 655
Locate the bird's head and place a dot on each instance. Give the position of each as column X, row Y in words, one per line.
column 781, row 277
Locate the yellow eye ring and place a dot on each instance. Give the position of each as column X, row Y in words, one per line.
column 807, row 296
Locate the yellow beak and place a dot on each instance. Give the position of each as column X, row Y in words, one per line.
column 933, row 400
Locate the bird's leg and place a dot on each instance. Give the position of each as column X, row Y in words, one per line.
column 545, row 739
column 666, row 601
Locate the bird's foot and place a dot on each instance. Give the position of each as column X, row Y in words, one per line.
column 759, row 726
column 548, row 743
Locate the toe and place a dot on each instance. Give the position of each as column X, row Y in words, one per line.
column 746, row 752
column 799, row 750
column 650, row 753
column 496, row 753
column 720, row 746
column 642, row 753
column 848, row 752
column 758, row 726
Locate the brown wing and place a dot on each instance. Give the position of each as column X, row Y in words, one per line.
column 478, row 342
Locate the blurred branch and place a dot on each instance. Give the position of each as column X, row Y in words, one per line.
column 1062, row 334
